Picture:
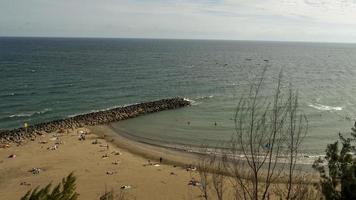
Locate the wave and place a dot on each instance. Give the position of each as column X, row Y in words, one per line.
column 30, row 114
column 21, row 115
column 17, row 94
column 190, row 100
column 196, row 101
column 9, row 94
column 232, row 84
column 204, row 97
column 74, row 115
column 325, row 107
column 99, row 110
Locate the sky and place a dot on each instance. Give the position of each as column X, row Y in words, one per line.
column 275, row 20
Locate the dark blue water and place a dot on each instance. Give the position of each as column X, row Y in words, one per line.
column 42, row 79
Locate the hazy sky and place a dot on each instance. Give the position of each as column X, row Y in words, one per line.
column 295, row 20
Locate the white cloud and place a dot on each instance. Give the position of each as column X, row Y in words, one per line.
column 330, row 20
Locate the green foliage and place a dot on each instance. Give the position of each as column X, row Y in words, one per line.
column 63, row 191
column 338, row 181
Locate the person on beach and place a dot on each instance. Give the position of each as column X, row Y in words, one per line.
column 160, row 159
column 82, row 136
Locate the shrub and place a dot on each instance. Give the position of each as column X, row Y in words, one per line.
column 63, row 191
column 338, row 179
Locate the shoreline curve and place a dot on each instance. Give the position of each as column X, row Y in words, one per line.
column 91, row 119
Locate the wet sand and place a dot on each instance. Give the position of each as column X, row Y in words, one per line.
column 94, row 171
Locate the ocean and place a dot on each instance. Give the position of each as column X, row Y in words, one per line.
column 43, row 79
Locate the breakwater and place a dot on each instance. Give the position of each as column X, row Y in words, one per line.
column 90, row 119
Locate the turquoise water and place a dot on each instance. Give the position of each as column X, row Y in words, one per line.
column 42, row 79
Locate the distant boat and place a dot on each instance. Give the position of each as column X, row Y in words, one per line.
column 248, row 59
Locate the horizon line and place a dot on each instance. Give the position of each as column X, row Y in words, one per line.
column 166, row 38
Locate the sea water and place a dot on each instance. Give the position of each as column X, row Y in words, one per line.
column 43, row 79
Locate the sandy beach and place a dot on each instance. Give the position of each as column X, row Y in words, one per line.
column 108, row 164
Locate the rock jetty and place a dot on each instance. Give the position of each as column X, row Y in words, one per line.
column 95, row 118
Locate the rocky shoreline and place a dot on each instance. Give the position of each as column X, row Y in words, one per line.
column 95, row 118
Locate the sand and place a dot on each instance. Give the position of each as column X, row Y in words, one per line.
column 86, row 160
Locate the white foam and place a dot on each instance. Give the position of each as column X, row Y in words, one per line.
column 43, row 111
column 29, row 114
column 192, row 102
column 325, row 107
column 21, row 115
column 205, row 97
